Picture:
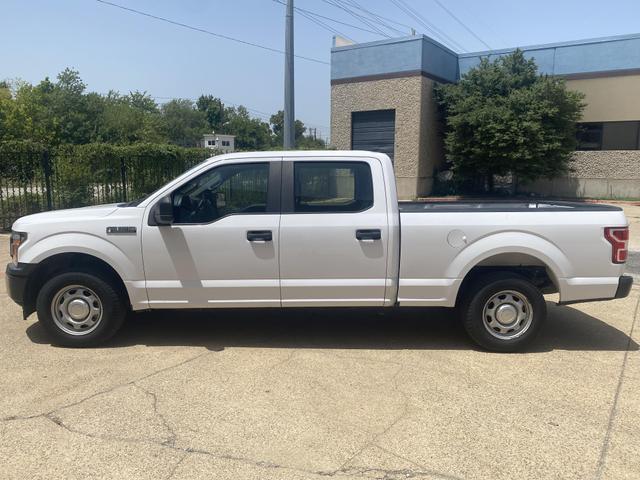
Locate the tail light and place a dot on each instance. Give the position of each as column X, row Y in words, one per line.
column 618, row 237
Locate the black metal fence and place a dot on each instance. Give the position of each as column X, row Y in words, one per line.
column 36, row 182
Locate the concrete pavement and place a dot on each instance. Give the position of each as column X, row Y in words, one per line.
column 304, row 395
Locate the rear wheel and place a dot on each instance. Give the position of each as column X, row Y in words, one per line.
column 79, row 309
column 503, row 312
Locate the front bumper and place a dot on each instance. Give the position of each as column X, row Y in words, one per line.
column 16, row 279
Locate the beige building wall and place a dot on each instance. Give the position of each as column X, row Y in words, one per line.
column 417, row 147
column 602, row 173
column 595, row 174
column 609, row 99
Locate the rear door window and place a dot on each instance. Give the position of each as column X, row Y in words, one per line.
column 332, row 187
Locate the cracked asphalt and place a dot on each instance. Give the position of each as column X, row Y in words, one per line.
column 316, row 395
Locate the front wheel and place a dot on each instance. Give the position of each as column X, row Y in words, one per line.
column 503, row 312
column 79, row 309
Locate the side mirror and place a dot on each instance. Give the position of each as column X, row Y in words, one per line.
column 163, row 212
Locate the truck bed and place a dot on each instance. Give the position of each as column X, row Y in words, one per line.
column 503, row 206
column 566, row 238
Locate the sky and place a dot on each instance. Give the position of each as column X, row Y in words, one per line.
column 118, row 50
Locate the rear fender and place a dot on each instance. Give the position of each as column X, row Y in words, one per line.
column 510, row 242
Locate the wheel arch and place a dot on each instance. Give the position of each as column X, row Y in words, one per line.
column 67, row 262
column 524, row 254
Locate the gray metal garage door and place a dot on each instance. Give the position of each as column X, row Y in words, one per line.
column 374, row 131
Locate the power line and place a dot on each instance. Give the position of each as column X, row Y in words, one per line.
column 452, row 15
column 430, row 27
column 387, row 19
column 378, row 18
column 202, row 30
column 411, row 12
column 309, row 12
column 316, row 21
column 356, row 15
column 324, row 25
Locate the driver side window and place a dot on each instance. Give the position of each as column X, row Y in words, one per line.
column 221, row 191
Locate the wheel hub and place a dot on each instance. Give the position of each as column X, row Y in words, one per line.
column 76, row 310
column 507, row 314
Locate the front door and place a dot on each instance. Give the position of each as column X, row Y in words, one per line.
column 333, row 233
column 222, row 248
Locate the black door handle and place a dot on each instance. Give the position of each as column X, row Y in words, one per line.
column 259, row 235
column 369, row 234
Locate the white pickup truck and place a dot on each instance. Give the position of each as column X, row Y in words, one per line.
column 312, row 229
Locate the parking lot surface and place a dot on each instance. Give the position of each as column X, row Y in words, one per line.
column 315, row 395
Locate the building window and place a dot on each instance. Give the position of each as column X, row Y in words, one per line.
column 590, row 136
column 211, row 142
column 609, row 136
column 226, row 143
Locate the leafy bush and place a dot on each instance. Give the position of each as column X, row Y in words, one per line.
column 503, row 119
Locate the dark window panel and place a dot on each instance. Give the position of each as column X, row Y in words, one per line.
column 589, row 136
column 221, row 191
column 338, row 187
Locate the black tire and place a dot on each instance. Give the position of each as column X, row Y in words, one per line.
column 477, row 325
column 112, row 304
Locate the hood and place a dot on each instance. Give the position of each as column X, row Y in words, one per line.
column 72, row 214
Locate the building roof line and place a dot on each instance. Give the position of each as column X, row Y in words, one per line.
column 498, row 51
column 390, row 41
column 545, row 46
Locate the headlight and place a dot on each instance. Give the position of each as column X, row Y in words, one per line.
column 16, row 239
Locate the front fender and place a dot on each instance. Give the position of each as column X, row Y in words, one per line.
column 128, row 267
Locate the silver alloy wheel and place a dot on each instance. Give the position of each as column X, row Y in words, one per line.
column 76, row 310
column 507, row 314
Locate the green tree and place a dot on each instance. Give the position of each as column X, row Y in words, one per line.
column 302, row 141
column 184, row 124
column 61, row 113
column 503, row 118
column 7, row 110
column 51, row 112
column 277, row 126
column 251, row 133
column 310, row 142
column 142, row 101
column 127, row 119
column 68, row 107
column 213, row 109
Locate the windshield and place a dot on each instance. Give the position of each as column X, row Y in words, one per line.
column 138, row 201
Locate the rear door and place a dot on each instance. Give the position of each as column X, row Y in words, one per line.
column 333, row 232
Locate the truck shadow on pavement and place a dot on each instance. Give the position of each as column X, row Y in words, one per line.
column 434, row 329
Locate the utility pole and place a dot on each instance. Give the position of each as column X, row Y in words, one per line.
column 289, row 107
